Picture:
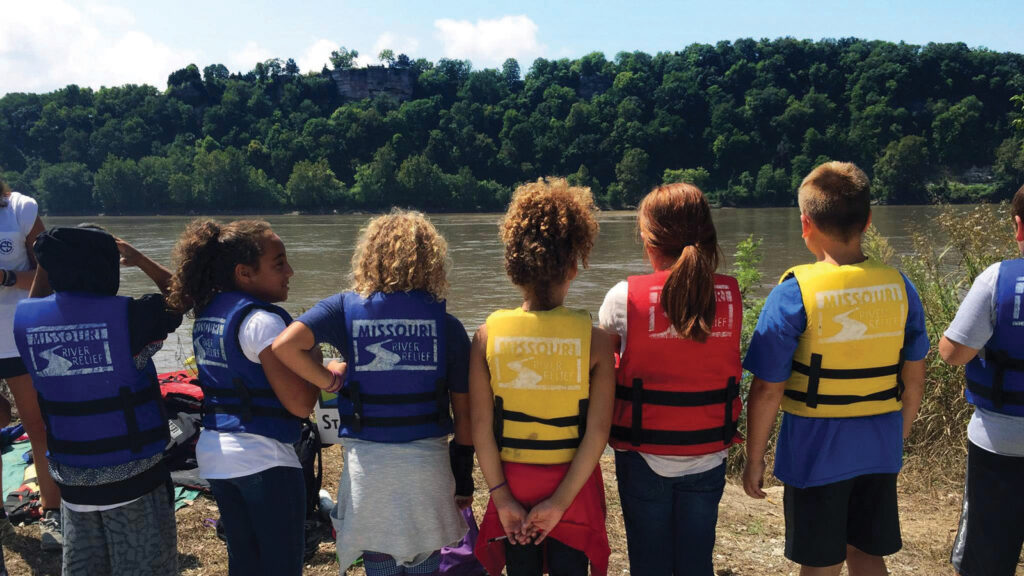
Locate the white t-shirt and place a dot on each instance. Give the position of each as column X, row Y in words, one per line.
column 612, row 316
column 973, row 326
column 16, row 221
column 223, row 455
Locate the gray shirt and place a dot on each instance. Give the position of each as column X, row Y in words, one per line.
column 973, row 327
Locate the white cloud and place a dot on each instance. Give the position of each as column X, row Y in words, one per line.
column 245, row 59
column 317, row 56
column 407, row 46
column 48, row 44
column 490, row 42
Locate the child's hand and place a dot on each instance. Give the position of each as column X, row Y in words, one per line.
column 337, row 366
column 337, row 370
column 753, row 478
column 129, row 255
column 513, row 519
column 542, row 519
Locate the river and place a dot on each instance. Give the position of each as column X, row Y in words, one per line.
column 320, row 250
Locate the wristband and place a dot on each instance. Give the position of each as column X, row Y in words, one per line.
column 498, row 487
column 335, row 384
column 9, row 279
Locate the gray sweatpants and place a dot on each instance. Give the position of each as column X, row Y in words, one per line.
column 137, row 539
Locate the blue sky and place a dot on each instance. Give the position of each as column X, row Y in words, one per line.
column 45, row 44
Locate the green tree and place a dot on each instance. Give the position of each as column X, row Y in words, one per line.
column 65, row 188
column 901, row 172
column 698, row 176
column 387, row 56
column 117, row 186
column 313, row 185
column 343, row 58
column 631, row 173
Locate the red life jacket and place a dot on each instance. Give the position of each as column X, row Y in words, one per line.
column 582, row 525
column 676, row 396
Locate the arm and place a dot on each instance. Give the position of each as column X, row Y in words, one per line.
column 510, row 512
column 292, row 347
column 463, row 426
column 27, row 280
column 131, row 257
column 40, row 284
column 762, row 409
column 954, row 353
column 546, row 515
column 913, row 392
column 294, row 393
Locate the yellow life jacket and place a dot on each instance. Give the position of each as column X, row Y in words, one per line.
column 540, row 378
column 849, row 358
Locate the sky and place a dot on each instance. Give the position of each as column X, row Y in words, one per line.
column 47, row 44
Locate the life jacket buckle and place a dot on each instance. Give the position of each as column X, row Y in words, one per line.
column 813, row 380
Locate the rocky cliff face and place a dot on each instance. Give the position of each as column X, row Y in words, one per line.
column 359, row 83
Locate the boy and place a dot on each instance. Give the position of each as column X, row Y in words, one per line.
column 90, row 352
column 991, row 528
column 840, row 344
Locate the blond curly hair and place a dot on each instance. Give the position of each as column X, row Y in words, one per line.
column 399, row 252
column 549, row 227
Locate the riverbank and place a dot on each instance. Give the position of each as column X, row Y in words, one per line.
column 750, row 533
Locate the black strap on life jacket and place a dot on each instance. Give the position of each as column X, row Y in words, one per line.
column 501, row 415
column 814, row 372
column 126, row 401
column 358, row 419
column 244, row 409
column 637, row 435
column 1001, row 362
column 107, row 445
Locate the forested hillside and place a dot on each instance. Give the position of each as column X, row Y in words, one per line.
column 744, row 120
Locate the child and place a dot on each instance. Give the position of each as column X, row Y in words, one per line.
column 89, row 353
column 841, row 345
column 230, row 276
column 406, row 361
column 19, row 227
column 991, row 527
column 677, row 399
column 541, row 389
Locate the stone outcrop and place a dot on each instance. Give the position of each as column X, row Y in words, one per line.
column 373, row 81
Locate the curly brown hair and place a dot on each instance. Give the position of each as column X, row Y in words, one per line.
column 549, row 226
column 205, row 258
column 400, row 252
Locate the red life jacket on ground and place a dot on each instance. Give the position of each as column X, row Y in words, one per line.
column 676, row 396
column 582, row 526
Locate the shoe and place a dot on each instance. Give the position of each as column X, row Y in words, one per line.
column 6, row 529
column 51, row 536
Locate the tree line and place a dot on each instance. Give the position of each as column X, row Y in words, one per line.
column 744, row 120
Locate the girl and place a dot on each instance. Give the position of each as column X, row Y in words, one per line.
column 677, row 398
column 19, row 227
column 230, row 276
column 541, row 389
column 89, row 352
column 406, row 360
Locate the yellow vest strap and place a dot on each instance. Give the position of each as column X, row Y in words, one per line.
column 500, row 415
column 815, row 373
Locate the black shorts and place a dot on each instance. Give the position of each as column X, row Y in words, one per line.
column 11, row 367
column 822, row 520
column 992, row 521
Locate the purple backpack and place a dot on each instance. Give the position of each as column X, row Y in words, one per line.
column 459, row 560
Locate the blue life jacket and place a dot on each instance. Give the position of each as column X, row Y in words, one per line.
column 395, row 387
column 99, row 409
column 996, row 382
column 237, row 394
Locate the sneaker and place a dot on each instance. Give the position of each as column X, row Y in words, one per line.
column 50, row 535
column 6, row 529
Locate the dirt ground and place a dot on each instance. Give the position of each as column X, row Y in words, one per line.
column 750, row 534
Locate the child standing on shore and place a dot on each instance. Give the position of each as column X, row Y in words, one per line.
column 542, row 388
column 90, row 353
column 840, row 344
column 677, row 399
column 987, row 335
column 231, row 276
column 404, row 374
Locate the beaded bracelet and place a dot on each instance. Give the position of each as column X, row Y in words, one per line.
column 492, row 490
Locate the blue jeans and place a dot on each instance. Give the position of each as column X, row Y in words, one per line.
column 670, row 522
column 263, row 516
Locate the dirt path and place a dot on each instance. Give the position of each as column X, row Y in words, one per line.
column 750, row 535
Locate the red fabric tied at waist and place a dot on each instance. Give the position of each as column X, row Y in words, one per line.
column 582, row 526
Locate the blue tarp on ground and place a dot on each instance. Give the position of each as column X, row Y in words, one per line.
column 14, row 466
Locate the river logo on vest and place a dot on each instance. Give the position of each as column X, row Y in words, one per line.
column 1018, row 292
column 537, row 363
column 6, row 246
column 69, row 350
column 384, row 345
column 208, row 342
column 857, row 319
column 659, row 327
